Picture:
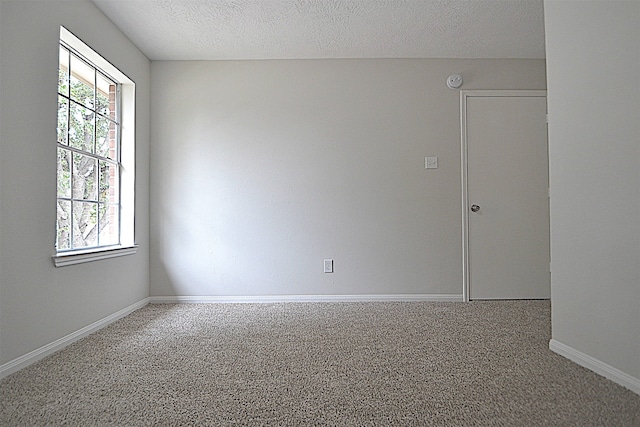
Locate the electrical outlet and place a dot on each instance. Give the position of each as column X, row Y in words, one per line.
column 328, row 266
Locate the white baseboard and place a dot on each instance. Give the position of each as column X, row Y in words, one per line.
column 40, row 353
column 596, row 366
column 302, row 298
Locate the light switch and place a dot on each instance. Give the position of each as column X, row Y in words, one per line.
column 431, row 163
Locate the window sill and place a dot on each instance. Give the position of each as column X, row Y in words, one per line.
column 62, row 260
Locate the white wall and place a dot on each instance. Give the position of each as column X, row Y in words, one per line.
column 261, row 169
column 40, row 303
column 593, row 69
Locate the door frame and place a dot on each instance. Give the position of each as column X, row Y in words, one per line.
column 464, row 96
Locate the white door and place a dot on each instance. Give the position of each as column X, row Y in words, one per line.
column 507, row 204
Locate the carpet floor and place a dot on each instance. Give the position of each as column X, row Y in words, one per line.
column 338, row 364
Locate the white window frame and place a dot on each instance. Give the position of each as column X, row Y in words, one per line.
column 127, row 244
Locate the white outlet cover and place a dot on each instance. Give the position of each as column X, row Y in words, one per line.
column 431, row 163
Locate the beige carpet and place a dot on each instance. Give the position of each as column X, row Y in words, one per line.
column 339, row 364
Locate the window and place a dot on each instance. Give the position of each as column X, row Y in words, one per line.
column 88, row 172
column 95, row 184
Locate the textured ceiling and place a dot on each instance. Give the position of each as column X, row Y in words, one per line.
column 288, row 29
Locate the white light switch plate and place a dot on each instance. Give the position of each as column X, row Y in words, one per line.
column 431, row 163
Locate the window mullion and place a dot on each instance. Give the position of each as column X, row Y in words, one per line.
column 95, row 156
column 71, row 208
column 95, row 111
column 95, row 150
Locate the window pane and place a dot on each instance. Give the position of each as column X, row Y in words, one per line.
column 81, row 128
column 63, row 225
column 109, row 184
column 85, row 180
column 85, row 226
column 103, row 141
column 106, row 96
column 83, row 79
column 109, row 224
column 63, row 119
column 64, row 173
column 63, row 72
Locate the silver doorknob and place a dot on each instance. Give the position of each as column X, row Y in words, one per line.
column 475, row 208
